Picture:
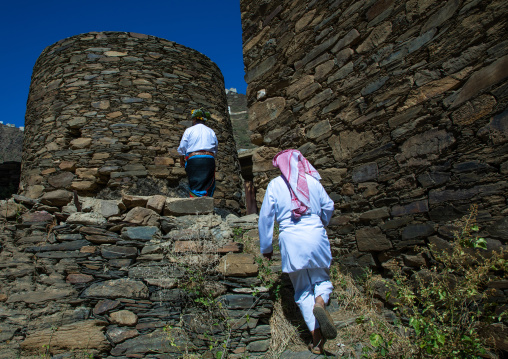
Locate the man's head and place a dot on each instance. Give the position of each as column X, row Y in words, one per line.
column 200, row 115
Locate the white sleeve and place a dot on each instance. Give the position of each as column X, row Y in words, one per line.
column 265, row 223
column 327, row 206
column 182, row 149
column 216, row 145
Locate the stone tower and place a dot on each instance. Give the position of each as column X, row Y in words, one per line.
column 106, row 112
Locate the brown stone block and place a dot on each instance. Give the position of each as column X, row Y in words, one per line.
column 163, row 161
column 156, row 203
column 83, row 186
column 48, row 171
column 372, row 239
column 238, row 265
column 124, row 317
column 158, row 171
column 79, row 278
column 71, row 337
column 80, row 143
column 134, row 201
column 474, row 110
column 260, row 113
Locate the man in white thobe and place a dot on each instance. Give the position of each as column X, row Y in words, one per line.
column 302, row 208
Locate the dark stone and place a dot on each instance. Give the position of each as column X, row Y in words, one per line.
column 499, row 229
column 112, row 252
column 395, row 223
column 158, row 341
column 411, row 208
column 433, row 179
column 445, row 213
column 417, row 231
column 472, row 166
column 364, row 173
column 372, row 240
column 237, row 301
column 62, row 255
column 65, row 246
column 68, row 237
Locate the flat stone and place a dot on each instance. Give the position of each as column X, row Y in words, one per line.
column 156, row 203
column 65, row 246
column 118, row 288
column 109, row 208
column 259, row 346
column 99, row 239
column 347, row 143
column 186, row 206
column 61, row 180
column 366, row 172
column 118, row 335
column 443, row 14
column 319, row 129
column 411, row 208
column 482, row 79
column 260, row 113
column 499, row 229
column 41, row 295
column 37, row 217
column 431, row 142
column 418, row 230
column 105, row 305
column 79, row 278
column 174, row 340
column 11, row 210
column 82, row 335
column 115, row 252
column 372, row 239
column 376, row 37
column 238, row 265
column 142, row 216
column 134, row 201
column 87, row 219
column 80, row 143
column 57, row 198
column 144, row 234
column 124, row 317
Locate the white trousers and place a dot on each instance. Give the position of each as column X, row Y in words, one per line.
column 310, row 284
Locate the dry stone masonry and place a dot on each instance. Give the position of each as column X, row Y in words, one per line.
column 106, row 112
column 137, row 277
column 401, row 106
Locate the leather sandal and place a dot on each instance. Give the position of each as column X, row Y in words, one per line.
column 325, row 321
column 316, row 351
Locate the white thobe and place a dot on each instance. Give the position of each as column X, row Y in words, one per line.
column 198, row 138
column 304, row 243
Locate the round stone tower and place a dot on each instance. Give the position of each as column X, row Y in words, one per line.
column 106, row 112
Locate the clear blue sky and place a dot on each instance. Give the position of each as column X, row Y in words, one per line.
column 28, row 27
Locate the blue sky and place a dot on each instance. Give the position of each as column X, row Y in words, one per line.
column 28, row 27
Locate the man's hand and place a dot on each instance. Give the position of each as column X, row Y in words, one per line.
column 182, row 161
column 268, row 255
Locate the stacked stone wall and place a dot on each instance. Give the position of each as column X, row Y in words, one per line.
column 138, row 277
column 401, row 106
column 106, row 112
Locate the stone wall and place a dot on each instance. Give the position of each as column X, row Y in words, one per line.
column 401, row 106
column 141, row 276
column 106, row 112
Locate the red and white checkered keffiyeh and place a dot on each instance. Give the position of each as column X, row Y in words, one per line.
column 294, row 166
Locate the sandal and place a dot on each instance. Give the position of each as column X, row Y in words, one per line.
column 325, row 321
column 316, row 351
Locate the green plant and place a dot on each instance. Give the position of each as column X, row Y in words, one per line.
column 447, row 304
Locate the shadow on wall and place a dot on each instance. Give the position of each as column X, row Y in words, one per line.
column 9, row 178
